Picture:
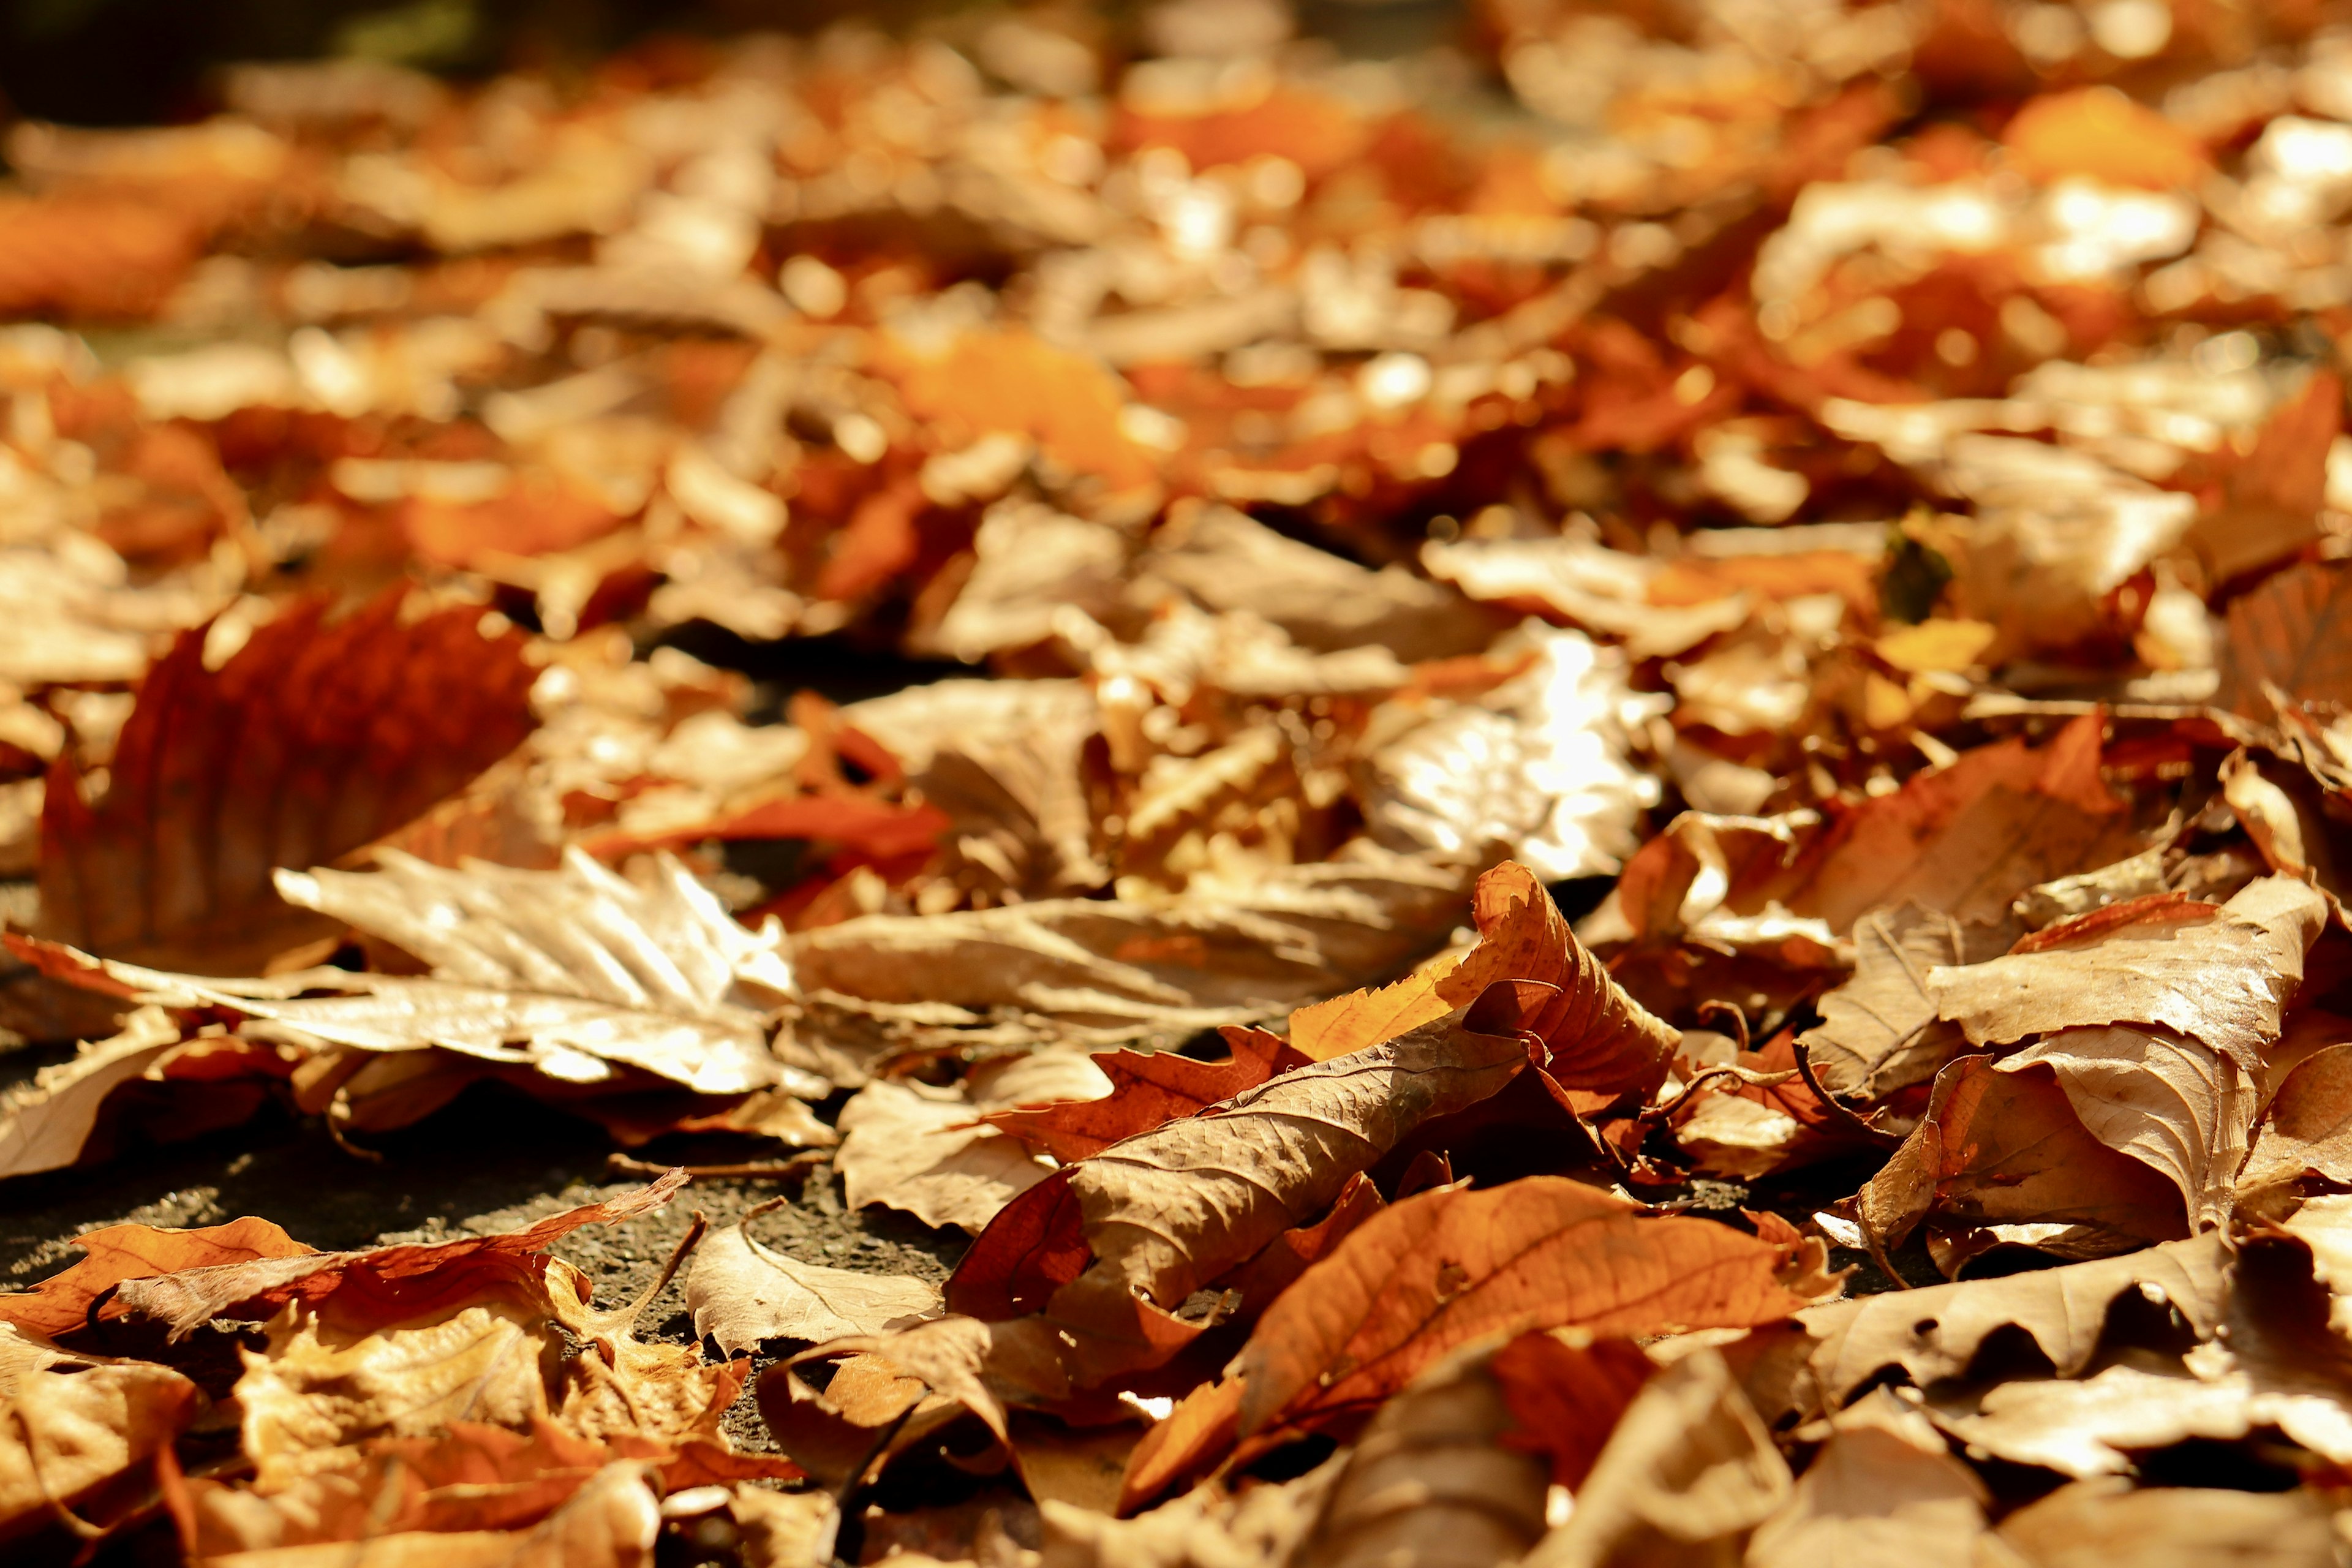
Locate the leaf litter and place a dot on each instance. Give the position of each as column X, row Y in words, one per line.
column 1570, row 798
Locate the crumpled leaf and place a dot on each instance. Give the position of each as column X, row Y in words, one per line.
column 2306, row 1128
column 1148, row 1089
column 1934, row 1334
column 1877, row 1032
column 2000, row 1147
column 573, row 972
column 1169, row 1210
column 1598, row 1037
column 740, row 1292
column 115, row 1253
column 2109, row 968
column 75, row 1423
column 313, row 739
column 1689, row 1471
column 1883, row 1488
column 924, row 1150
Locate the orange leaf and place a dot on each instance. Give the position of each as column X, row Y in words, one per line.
column 313, row 741
column 1601, row 1038
column 1149, row 1089
column 120, row 1252
column 1440, row 1270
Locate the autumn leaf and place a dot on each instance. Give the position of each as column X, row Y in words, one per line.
column 1935, row 1333
column 1445, row 1267
column 1875, row 1035
column 2282, row 636
column 574, row 972
column 77, row 1423
column 1598, row 1039
column 740, row 1292
column 313, row 739
column 1149, row 1089
column 1884, row 1486
column 1689, row 1471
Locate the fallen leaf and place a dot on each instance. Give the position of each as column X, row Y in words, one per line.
column 1877, row 1032
column 1689, row 1471
column 77, row 1423
column 928, row 1156
column 2283, row 635
column 1149, row 1089
column 1934, row 1334
column 1998, row 1146
column 2156, row 972
column 1883, row 1488
column 1445, row 1267
column 1169, row 1210
column 312, row 740
column 44, row 1125
column 2109, row 1521
column 573, row 972
column 740, row 1292
column 1598, row 1037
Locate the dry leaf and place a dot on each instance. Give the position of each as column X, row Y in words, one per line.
column 1883, row 1488
column 573, row 972
column 2283, row 636
column 1148, row 1089
column 1935, row 1333
column 75, row 1424
column 926, row 1155
column 1598, row 1037
column 2108, row 968
column 740, row 1292
column 2107, row 1521
column 1440, row 1270
column 314, row 739
column 1877, row 1032
column 44, row 1126
column 1688, row 1472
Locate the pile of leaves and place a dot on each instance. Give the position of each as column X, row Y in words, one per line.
column 1584, row 799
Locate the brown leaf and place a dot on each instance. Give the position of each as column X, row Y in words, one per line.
column 2270, row 508
column 1429, row 1480
column 1149, row 1089
column 2306, row 1128
column 73, row 1425
column 2158, row 971
column 1935, row 1333
column 44, row 1125
column 740, row 1292
column 1689, row 1471
column 2091, row 1523
column 116, row 1253
column 1169, row 1210
column 572, row 971
column 1997, row 1147
column 1105, row 970
column 2289, row 635
column 153, row 1274
column 1877, row 1031
column 311, row 742
column 925, row 1154
column 1600, row 1039
column 1884, row 1488
column 1566, row 1399
column 1446, row 1267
